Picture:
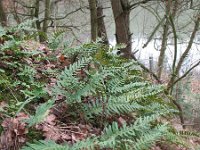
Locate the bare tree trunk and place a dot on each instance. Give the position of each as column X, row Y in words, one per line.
column 100, row 23
column 45, row 23
column 15, row 15
column 164, row 40
column 3, row 17
column 121, row 14
column 36, row 15
column 93, row 19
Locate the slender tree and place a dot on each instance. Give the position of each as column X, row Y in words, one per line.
column 164, row 39
column 93, row 19
column 100, row 22
column 121, row 12
column 46, row 20
column 3, row 17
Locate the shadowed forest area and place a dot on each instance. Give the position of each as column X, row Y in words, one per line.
column 99, row 75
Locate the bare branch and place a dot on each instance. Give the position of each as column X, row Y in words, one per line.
column 187, row 72
column 153, row 33
column 185, row 53
column 63, row 17
column 132, row 6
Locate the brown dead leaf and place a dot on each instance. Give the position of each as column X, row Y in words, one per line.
column 66, row 137
column 77, row 137
column 51, row 133
column 50, row 119
column 121, row 121
column 14, row 132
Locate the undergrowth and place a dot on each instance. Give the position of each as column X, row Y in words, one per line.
column 97, row 87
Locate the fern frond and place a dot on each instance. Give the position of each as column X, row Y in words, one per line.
column 45, row 145
column 142, row 93
column 113, row 106
column 86, row 49
column 89, row 144
column 56, row 39
column 73, row 68
column 173, row 138
column 149, row 138
column 113, row 134
column 25, row 26
column 2, row 31
column 41, row 112
column 157, row 107
column 127, row 87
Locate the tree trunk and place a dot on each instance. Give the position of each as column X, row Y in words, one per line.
column 121, row 14
column 36, row 15
column 45, row 23
column 15, row 11
column 93, row 19
column 100, row 23
column 3, row 17
column 164, row 40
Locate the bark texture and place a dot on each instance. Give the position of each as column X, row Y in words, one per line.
column 46, row 20
column 164, row 40
column 100, row 23
column 93, row 19
column 121, row 12
column 3, row 17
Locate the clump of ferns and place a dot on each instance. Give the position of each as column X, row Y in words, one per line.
column 110, row 85
column 99, row 86
column 16, row 68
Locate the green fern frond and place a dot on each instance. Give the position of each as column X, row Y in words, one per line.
column 86, row 49
column 113, row 134
column 73, row 68
column 41, row 112
column 143, row 93
column 56, row 39
column 173, row 138
column 67, row 79
column 160, row 107
column 11, row 44
column 127, row 87
column 113, row 106
column 2, row 31
column 45, row 145
column 87, row 144
column 149, row 138
column 25, row 26
column 142, row 121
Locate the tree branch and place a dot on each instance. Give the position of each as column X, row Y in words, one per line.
column 187, row 72
column 132, row 6
column 146, row 69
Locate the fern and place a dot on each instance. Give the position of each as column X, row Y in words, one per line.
column 41, row 112
column 45, row 145
column 175, row 139
column 86, row 49
column 24, row 26
column 55, row 41
column 76, row 66
column 89, row 144
column 113, row 106
column 113, row 134
column 2, row 31
column 150, row 138
column 98, row 84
